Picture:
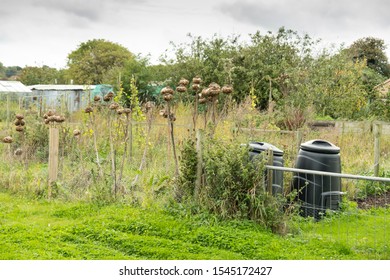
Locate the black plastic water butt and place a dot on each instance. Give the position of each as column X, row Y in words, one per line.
column 256, row 149
column 318, row 192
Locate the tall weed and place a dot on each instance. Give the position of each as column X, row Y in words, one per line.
column 233, row 185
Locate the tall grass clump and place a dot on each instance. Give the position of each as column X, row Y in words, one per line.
column 232, row 185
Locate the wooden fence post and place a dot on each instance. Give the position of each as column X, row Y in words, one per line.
column 53, row 157
column 377, row 150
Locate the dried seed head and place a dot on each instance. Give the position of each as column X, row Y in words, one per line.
column 168, row 97
column 19, row 116
column 19, row 122
column 59, row 119
column 196, row 80
column 19, row 128
column 87, row 110
column 205, row 92
column 202, row 100
column 50, row 113
column 167, row 90
column 113, row 106
column 46, row 121
column 110, row 94
column 106, row 98
column 227, row 89
column 181, row 88
column 184, row 82
column 172, row 117
column 127, row 111
column 51, row 118
column 45, row 116
column 76, row 132
column 18, row 152
column 195, row 87
column 215, row 89
column 7, row 139
column 119, row 111
column 149, row 105
column 97, row 98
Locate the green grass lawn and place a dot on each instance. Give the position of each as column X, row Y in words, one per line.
column 40, row 230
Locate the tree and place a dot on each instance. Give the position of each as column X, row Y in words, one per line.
column 272, row 64
column 2, row 71
column 335, row 86
column 11, row 71
column 93, row 59
column 373, row 51
column 211, row 59
column 41, row 75
column 135, row 69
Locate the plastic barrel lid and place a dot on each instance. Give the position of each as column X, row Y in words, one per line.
column 320, row 146
column 262, row 147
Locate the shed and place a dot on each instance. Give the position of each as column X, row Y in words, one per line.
column 68, row 98
column 12, row 91
column 13, row 87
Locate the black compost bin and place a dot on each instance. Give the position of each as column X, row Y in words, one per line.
column 318, row 192
column 256, row 148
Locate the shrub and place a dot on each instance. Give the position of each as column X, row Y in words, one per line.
column 188, row 165
column 233, row 185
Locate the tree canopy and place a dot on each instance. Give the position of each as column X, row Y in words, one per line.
column 32, row 75
column 373, row 51
column 285, row 69
column 92, row 60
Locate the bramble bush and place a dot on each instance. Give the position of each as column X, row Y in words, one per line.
column 232, row 186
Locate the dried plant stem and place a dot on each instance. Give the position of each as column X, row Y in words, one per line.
column 128, row 121
column 170, row 125
column 145, row 153
column 195, row 116
column 226, row 105
column 205, row 116
column 81, row 160
column 9, row 152
column 199, row 166
column 174, row 150
column 112, row 154
column 213, row 112
column 92, row 121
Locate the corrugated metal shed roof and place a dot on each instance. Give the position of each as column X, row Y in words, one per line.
column 61, row 87
column 13, row 86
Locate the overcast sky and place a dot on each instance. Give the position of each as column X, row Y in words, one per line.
column 44, row 32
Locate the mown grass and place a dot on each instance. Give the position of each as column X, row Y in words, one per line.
column 46, row 230
column 84, row 221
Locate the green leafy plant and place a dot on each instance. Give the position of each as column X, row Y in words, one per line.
column 233, row 185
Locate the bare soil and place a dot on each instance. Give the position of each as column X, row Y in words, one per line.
column 375, row 201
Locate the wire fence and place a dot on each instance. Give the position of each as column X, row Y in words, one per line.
column 351, row 211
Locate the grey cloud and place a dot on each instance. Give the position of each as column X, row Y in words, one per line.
column 90, row 10
column 309, row 15
column 87, row 10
